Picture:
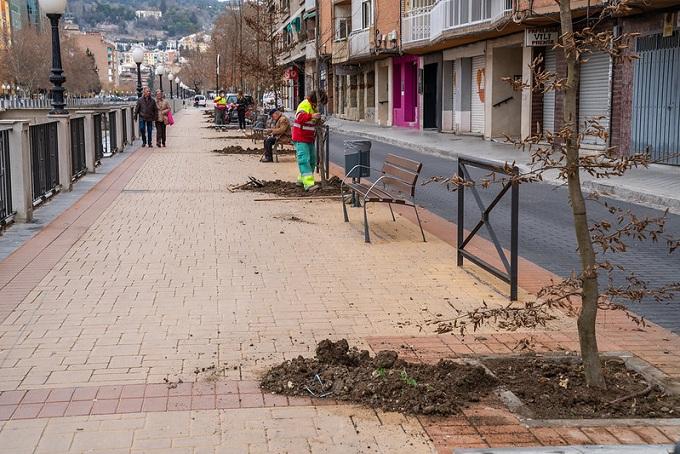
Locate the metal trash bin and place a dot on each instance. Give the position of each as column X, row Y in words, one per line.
column 358, row 152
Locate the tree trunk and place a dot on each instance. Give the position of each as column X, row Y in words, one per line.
column 590, row 292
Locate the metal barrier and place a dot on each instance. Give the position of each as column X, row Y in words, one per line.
column 44, row 161
column 510, row 274
column 132, row 122
column 113, row 133
column 5, row 180
column 98, row 138
column 78, row 162
column 124, row 126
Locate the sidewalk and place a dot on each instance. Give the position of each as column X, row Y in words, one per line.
column 141, row 318
column 656, row 187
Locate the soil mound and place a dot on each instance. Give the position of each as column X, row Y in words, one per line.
column 384, row 381
column 290, row 189
column 236, row 149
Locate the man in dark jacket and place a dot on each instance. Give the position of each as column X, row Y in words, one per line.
column 147, row 111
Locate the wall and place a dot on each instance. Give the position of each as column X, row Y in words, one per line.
column 387, row 17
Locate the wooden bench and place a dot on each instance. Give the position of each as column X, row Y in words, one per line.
column 396, row 185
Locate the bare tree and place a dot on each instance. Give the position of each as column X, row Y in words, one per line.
column 561, row 151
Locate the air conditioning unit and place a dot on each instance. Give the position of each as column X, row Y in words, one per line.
column 392, row 36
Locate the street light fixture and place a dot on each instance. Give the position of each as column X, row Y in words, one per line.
column 177, row 84
column 160, row 70
column 138, row 58
column 54, row 10
column 171, row 77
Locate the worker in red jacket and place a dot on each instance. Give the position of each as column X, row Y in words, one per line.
column 304, row 135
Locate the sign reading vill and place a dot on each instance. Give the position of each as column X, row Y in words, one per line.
column 540, row 37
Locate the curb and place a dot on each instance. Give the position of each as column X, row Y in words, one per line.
column 649, row 200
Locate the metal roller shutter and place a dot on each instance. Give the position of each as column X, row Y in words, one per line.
column 594, row 94
column 478, row 94
column 550, row 63
column 453, row 96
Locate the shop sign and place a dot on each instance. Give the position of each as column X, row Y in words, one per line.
column 540, row 37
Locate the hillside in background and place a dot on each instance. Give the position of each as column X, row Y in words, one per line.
column 180, row 18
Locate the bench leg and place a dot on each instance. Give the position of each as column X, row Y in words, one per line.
column 344, row 205
column 419, row 224
column 392, row 212
column 367, row 236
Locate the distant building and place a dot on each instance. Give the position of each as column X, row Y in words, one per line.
column 18, row 14
column 148, row 14
column 197, row 41
column 105, row 56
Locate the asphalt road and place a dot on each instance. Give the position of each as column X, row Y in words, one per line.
column 546, row 234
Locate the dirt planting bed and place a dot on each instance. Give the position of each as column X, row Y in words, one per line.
column 554, row 388
column 384, row 381
column 290, row 189
column 236, row 149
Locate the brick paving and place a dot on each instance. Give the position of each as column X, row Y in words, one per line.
column 160, row 274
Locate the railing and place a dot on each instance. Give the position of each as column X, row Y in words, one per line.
column 416, row 25
column 44, row 160
column 510, row 275
column 29, row 103
column 6, row 211
column 132, row 122
column 124, row 126
column 113, row 133
column 99, row 144
column 78, row 162
column 430, row 22
column 359, row 43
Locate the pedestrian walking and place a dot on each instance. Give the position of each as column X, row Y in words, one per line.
column 241, row 107
column 220, row 108
column 307, row 117
column 162, row 118
column 147, row 112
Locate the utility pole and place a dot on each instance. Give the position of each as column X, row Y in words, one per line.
column 217, row 74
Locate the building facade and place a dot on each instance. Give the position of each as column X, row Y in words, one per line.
column 105, row 56
column 447, row 65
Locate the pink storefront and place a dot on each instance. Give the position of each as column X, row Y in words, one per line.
column 405, row 102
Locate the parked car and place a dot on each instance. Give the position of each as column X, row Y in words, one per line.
column 231, row 107
column 199, row 101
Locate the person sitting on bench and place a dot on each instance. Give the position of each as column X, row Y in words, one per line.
column 280, row 133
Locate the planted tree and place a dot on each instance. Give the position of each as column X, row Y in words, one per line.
column 599, row 284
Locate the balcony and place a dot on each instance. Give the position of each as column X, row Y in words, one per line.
column 340, row 51
column 359, row 44
column 425, row 24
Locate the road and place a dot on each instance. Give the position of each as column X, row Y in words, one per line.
column 546, row 235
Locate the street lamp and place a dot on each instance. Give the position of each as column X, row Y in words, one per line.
column 171, row 76
column 138, row 58
column 54, row 10
column 160, row 70
column 177, row 84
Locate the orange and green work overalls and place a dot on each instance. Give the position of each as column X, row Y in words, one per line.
column 304, row 135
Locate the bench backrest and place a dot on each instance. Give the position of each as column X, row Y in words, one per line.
column 401, row 174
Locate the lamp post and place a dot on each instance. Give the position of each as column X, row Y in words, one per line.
column 160, row 70
column 138, row 58
column 177, row 83
column 171, row 76
column 54, row 10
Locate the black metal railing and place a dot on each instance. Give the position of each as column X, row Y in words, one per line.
column 5, row 180
column 124, row 127
column 132, row 122
column 510, row 272
column 98, row 139
column 113, row 133
column 44, row 160
column 78, row 162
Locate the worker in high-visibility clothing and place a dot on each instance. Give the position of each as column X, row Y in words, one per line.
column 220, row 108
column 304, row 135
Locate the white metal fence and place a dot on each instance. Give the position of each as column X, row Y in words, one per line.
column 416, row 25
column 28, row 103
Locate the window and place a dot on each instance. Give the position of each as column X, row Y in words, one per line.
column 341, row 28
column 366, row 13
